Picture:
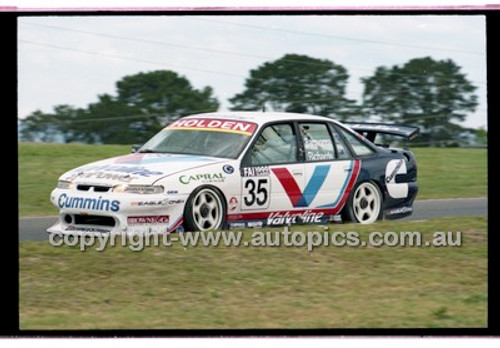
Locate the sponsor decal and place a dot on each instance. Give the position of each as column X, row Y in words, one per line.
column 237, row 225
column 134, row 170
column 126, row 178
column 161, row 203
column 316, row 156
column 228, row 169
column 73, row 175
column 380, row 127
column 316, row 144
column 294, row 193
column 255, row 171
column 401, row 210
column 292, row 218
column 264, row 216
column 396, row 190
column 255, row 224
column 86, row 229
column 318, row 149
column 204, row 178
column 233, row 203
column 337, row 218
column 392, row 175
column 76, row 202
column 228, row 126
column 151, row 219
column 172, row 192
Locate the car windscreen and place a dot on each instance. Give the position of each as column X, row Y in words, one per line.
column 202, row 137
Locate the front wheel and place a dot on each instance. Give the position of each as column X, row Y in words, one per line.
column 365, row 204
column 205, row 210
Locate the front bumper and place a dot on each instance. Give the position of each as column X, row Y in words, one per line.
column 88, row 212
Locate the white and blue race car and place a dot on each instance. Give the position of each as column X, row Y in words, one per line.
column 242, row 169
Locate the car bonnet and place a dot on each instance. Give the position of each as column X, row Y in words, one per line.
column 139, row 168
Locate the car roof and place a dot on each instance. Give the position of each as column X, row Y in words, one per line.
column 260, row 117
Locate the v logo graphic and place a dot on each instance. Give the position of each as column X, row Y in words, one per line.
column 296, row 196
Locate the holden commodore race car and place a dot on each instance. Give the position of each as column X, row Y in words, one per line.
column 242, row 169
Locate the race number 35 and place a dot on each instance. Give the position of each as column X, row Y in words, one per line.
column 255, row 193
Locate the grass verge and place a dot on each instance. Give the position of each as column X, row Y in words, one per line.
column 451, row 173
column 273, row 287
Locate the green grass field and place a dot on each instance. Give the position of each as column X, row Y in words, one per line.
column 451, row 173
column 442, row 173
column 274, row 287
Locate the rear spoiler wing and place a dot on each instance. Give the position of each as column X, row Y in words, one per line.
column 370, row 130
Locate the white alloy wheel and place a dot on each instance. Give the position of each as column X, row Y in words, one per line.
column 366, row 203
column 207, row 210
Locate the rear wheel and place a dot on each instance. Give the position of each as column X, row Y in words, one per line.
column 365, row 204
column 205, row 210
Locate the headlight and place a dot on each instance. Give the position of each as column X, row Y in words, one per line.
column 63, row 184
column 141, row 189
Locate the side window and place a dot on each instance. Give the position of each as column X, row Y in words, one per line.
column 276, row 144
column 340, row 146
column 360, row 149
column 318, row 143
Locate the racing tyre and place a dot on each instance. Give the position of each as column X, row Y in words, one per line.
column 364, row 204
column 205, row 210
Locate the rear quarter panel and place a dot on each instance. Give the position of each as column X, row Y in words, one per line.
column 395, row 173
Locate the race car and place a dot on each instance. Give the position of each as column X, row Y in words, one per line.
column 242, row 169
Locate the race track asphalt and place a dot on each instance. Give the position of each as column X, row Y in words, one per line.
column 34, row 228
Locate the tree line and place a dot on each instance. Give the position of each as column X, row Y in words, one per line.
column 431, row 94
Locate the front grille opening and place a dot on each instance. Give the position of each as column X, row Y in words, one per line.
column 101, row 188
column 96, row 188
column 94, row 220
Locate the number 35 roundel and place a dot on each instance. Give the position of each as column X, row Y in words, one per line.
column 255, row 193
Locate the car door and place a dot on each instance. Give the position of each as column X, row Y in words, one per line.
column 330, row 170
column 272, row 175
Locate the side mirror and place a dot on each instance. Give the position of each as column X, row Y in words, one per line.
column 135, row 148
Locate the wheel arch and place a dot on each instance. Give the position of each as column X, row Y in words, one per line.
column 214, row 188
column 345, row 211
